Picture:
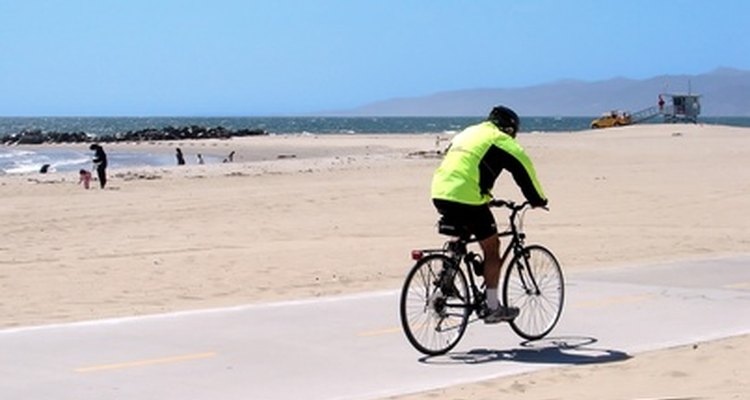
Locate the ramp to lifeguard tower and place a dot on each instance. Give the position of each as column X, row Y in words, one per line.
column 645, row 114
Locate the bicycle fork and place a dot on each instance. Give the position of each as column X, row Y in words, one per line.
column 527, row 277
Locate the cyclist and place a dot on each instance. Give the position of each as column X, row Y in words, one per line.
column 462, row 183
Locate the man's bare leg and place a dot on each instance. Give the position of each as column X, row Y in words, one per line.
column 492, row 263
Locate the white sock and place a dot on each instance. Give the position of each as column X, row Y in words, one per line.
column 492, row 301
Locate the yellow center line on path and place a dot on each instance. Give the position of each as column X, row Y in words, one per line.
column 141, row 363
column 598, row 303
column 395, row 329
column 379, row 332
column 740, row 285
column 608, row 301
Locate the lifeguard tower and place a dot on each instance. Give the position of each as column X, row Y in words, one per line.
column 680, row 107
column 672, row 107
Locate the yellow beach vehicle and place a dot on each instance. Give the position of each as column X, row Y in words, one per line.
column 611, row 119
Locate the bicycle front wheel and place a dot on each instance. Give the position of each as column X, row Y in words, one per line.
column 534, row 283
column 434, row 305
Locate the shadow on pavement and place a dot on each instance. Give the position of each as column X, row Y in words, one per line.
column 571, row 350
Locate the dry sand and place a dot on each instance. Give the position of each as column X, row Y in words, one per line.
column 305, row 216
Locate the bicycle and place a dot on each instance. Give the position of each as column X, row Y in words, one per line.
column 437, row 299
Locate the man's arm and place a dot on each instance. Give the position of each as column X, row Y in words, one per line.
column 525, row 177
column 518, row 163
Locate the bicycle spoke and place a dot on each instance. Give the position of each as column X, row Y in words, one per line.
column 433, row 313
column 536, row 287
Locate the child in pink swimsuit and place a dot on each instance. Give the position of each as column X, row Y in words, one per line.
column 85, row 178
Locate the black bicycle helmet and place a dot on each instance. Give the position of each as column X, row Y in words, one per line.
column 505, row 119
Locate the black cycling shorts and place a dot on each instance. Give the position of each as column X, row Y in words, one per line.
column 478, row 220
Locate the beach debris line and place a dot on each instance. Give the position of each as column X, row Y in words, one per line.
column 426, row 154
column 38, row 136
column 131, row 176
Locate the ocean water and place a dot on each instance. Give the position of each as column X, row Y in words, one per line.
column 14, row 161
column 296, row 125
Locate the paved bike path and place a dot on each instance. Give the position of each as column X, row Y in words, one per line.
column 351, row 347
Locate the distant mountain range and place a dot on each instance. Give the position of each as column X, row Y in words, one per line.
column 724, row 92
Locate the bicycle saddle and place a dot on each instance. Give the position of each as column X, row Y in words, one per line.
column 452, row 228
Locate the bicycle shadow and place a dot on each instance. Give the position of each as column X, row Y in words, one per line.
column 569, row 350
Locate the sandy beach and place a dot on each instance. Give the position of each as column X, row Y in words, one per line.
column 320, row 215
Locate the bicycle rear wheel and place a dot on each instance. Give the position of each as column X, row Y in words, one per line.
column 434, row 305
column 534, row 283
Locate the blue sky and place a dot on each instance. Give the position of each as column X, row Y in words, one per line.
column 285, row 57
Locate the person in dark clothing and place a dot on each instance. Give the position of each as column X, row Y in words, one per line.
column 100, row 161
column 180, row 157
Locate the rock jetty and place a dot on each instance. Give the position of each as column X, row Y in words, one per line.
column 37, row 136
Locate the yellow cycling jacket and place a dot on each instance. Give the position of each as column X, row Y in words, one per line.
column 474, row 160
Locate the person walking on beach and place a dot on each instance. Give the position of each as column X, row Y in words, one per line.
column 462, row 184
column 100, row 162
column 180, row 157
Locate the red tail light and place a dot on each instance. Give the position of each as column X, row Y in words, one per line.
column 416, row 255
